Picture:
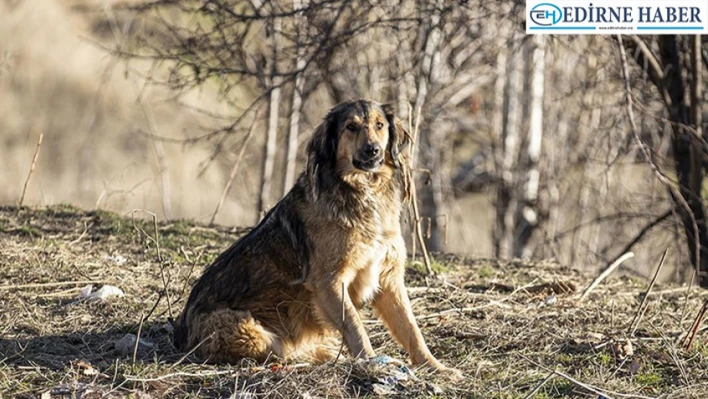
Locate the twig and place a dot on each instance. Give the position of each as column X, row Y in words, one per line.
column 83, row 234
column 165, row 282
column 344, row 320
column 181, row 359
column 602, row 392
column 447, row 224
column 206, row 373
column 42, row 285
column 463, row 310
column 571, row 379
column 210, row 373
column 655, row 293
column 154, row 306
column 693, row 331
column 688, row 295
column 137, row 338
column 156, row 240
column 191, row 270
column 642, row 308
column 643, row 232
column 417, row 228
column 540, row 385
column 635, row 339
column 234, row 168
column 411, row 163
column 60, row 293
column 163, row 171
column 606, row 273
column 34, row 163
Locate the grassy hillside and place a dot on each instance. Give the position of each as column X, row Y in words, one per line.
column 509, row 326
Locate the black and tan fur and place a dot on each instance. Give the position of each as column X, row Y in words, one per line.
column 331, row 245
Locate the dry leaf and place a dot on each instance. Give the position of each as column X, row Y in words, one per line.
column 85, row 367
column 623, row 348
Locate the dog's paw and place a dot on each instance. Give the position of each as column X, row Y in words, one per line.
column 450, row 373
column 439, row 370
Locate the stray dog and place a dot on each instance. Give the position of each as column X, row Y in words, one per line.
column 331, row 245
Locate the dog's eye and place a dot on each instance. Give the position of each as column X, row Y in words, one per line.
column 379, row 125
column 351, row 127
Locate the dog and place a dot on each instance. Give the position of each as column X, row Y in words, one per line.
column 330, row 246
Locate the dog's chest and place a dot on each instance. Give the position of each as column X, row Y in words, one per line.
column 370, row 258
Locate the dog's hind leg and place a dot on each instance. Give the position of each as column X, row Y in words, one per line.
column 319, row 349
column 229, row 335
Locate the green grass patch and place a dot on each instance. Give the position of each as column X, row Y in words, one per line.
column 485, row 272
column 437, row 266
column 650, row 379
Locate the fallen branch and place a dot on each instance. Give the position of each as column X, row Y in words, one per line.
column 540, row 385
column 606, row 273
column 212, row 373
column 42, row 285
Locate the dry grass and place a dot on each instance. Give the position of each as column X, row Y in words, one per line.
column 506, row 325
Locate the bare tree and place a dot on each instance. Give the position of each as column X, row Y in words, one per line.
column 432, row 197
column 666, row 71
column 273, row 111
column 443, row 59
column 507, row 198
column 529, row 213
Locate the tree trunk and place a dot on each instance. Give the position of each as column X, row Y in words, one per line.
column 497, row 126
column 687, row 149
column 507, row 198
column 431, row 140
column 295, row 112
column 272, row 132
column 529, row 215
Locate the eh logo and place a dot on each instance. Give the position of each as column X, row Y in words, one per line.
column 546, row 14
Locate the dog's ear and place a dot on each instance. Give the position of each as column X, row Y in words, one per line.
column 399, row 139
column 321, row 153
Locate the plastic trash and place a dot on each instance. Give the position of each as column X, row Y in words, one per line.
column 103, row 293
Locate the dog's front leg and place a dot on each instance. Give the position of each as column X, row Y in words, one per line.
column 394, row 307
column 338, row 309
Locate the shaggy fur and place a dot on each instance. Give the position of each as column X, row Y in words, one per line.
column 330, row 246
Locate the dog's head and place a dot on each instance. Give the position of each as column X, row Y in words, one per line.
column 358, row 138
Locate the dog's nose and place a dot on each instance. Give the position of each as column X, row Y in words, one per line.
column 371, row 150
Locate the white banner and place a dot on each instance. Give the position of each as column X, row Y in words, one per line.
column 605, row 17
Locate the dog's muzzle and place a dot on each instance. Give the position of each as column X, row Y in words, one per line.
column 369, row 165
column 370, row 158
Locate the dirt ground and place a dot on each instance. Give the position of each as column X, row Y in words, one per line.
column 515, row 329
